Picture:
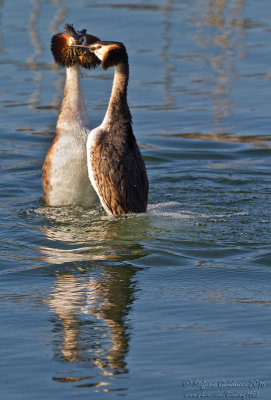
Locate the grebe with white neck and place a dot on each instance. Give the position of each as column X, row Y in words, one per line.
column 115, row 165
column 65, row 174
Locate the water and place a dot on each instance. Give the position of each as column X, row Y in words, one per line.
column 166, row 305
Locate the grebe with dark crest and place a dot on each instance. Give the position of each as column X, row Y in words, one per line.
column 115, row 165
column 65, row 174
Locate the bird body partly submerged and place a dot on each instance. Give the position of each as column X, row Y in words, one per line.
column 65, row 173
column 115, row 165
column 106, row 161
column 117, row 172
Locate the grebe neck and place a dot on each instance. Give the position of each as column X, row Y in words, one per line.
column 118, row 108
column 73, row 113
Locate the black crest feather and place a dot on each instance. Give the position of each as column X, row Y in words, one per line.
column 66, row 55
column 70, row 29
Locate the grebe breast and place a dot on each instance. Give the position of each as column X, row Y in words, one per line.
column 64, row 174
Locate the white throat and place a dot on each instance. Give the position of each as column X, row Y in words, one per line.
column 73, row 113
column 118, row 93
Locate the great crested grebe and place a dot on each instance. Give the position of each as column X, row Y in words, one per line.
column 115, row 165
column 64, row 173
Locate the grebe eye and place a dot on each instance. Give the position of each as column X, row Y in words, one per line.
column 99, row 46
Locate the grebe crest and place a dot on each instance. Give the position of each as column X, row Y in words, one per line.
column 66, row 56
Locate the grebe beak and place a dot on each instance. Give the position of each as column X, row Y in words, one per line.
column 90, row 47
column 79, row 45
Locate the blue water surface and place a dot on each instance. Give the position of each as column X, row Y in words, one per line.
column 174, row 303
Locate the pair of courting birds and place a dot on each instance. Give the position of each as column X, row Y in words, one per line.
column 106, row 161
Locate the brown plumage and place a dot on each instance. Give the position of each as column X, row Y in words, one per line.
column 119, row 173
column 115, row 165
column 66, row 56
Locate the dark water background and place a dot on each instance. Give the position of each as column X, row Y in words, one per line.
column 141, row 306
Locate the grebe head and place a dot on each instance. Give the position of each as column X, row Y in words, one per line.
column 66, row 54
column 110, row 53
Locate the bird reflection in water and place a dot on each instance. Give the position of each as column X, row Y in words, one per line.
column 91, row 317
column 91, row 299
column 75, row 234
